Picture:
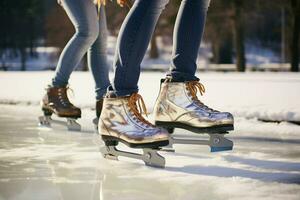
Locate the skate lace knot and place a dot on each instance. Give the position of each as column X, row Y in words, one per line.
column 194, row 86
column 138, row 107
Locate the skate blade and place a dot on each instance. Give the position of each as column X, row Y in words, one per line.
column 149, row 156
column 219, row 149
column 70, row 123
column 110, row 157
column 73, row 125
column 44, row 121
column 167, row 150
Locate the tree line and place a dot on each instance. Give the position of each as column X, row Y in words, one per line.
column 231, row 24
column 21, row 30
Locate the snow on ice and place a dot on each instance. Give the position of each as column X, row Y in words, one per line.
column 266, row 96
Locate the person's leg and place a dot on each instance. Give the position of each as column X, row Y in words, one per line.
column 187, row 37
column 121, row 118
column 97, row 58
column 133, row 40
column 178, row 105
column 83, row 15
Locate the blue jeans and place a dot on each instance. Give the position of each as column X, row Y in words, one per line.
column 91, row 37
column 136, row 32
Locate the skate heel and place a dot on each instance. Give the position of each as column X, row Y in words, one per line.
column 44, row 121
column 109, row 151
column 109, row 140
column 166, row 126
column 218, row 143
column 47, row 112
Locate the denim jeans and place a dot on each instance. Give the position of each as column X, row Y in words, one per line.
column 136, row 32
column 91, row 37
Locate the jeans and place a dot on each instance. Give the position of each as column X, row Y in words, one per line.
column 136, row 32
column 91, row 37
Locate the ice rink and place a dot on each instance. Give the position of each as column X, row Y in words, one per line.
column 41, row 163
column 55, row 164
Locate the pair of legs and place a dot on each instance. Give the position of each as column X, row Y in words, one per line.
column 136, row 33
column 90, row 37
column 177, row 104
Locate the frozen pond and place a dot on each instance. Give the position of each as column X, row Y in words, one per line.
column 41, row 163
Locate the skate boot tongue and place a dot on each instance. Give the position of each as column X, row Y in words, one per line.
column 138, row 107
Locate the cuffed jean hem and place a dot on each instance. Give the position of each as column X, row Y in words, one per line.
column 182, row 77
column 58, row 83
column 120, row 93
column 100, row 93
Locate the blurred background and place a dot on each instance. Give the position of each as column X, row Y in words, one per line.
column 240, row 35
column 247, row 60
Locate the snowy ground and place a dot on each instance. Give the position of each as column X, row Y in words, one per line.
column 267, row 96
column 41, row 163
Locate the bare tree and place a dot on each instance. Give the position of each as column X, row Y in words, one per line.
column 294, row 44
column 238, row 33
column 21, row 28
column 153, row 48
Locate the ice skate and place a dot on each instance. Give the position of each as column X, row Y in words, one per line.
column 56, row 102
column 98, row 108
column 178, row 106
column 122, row 121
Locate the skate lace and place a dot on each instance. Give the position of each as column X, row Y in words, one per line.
column 138, row 107
column 193, row 87
column 63, row 96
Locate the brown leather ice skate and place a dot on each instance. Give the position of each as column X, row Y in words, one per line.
column 56, row 101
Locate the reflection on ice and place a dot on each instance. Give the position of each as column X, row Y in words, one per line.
column 57, row 164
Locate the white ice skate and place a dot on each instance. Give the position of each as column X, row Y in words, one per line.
column 178, row 106
column 121, row 121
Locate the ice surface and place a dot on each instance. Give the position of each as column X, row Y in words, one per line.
column 41, row 163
